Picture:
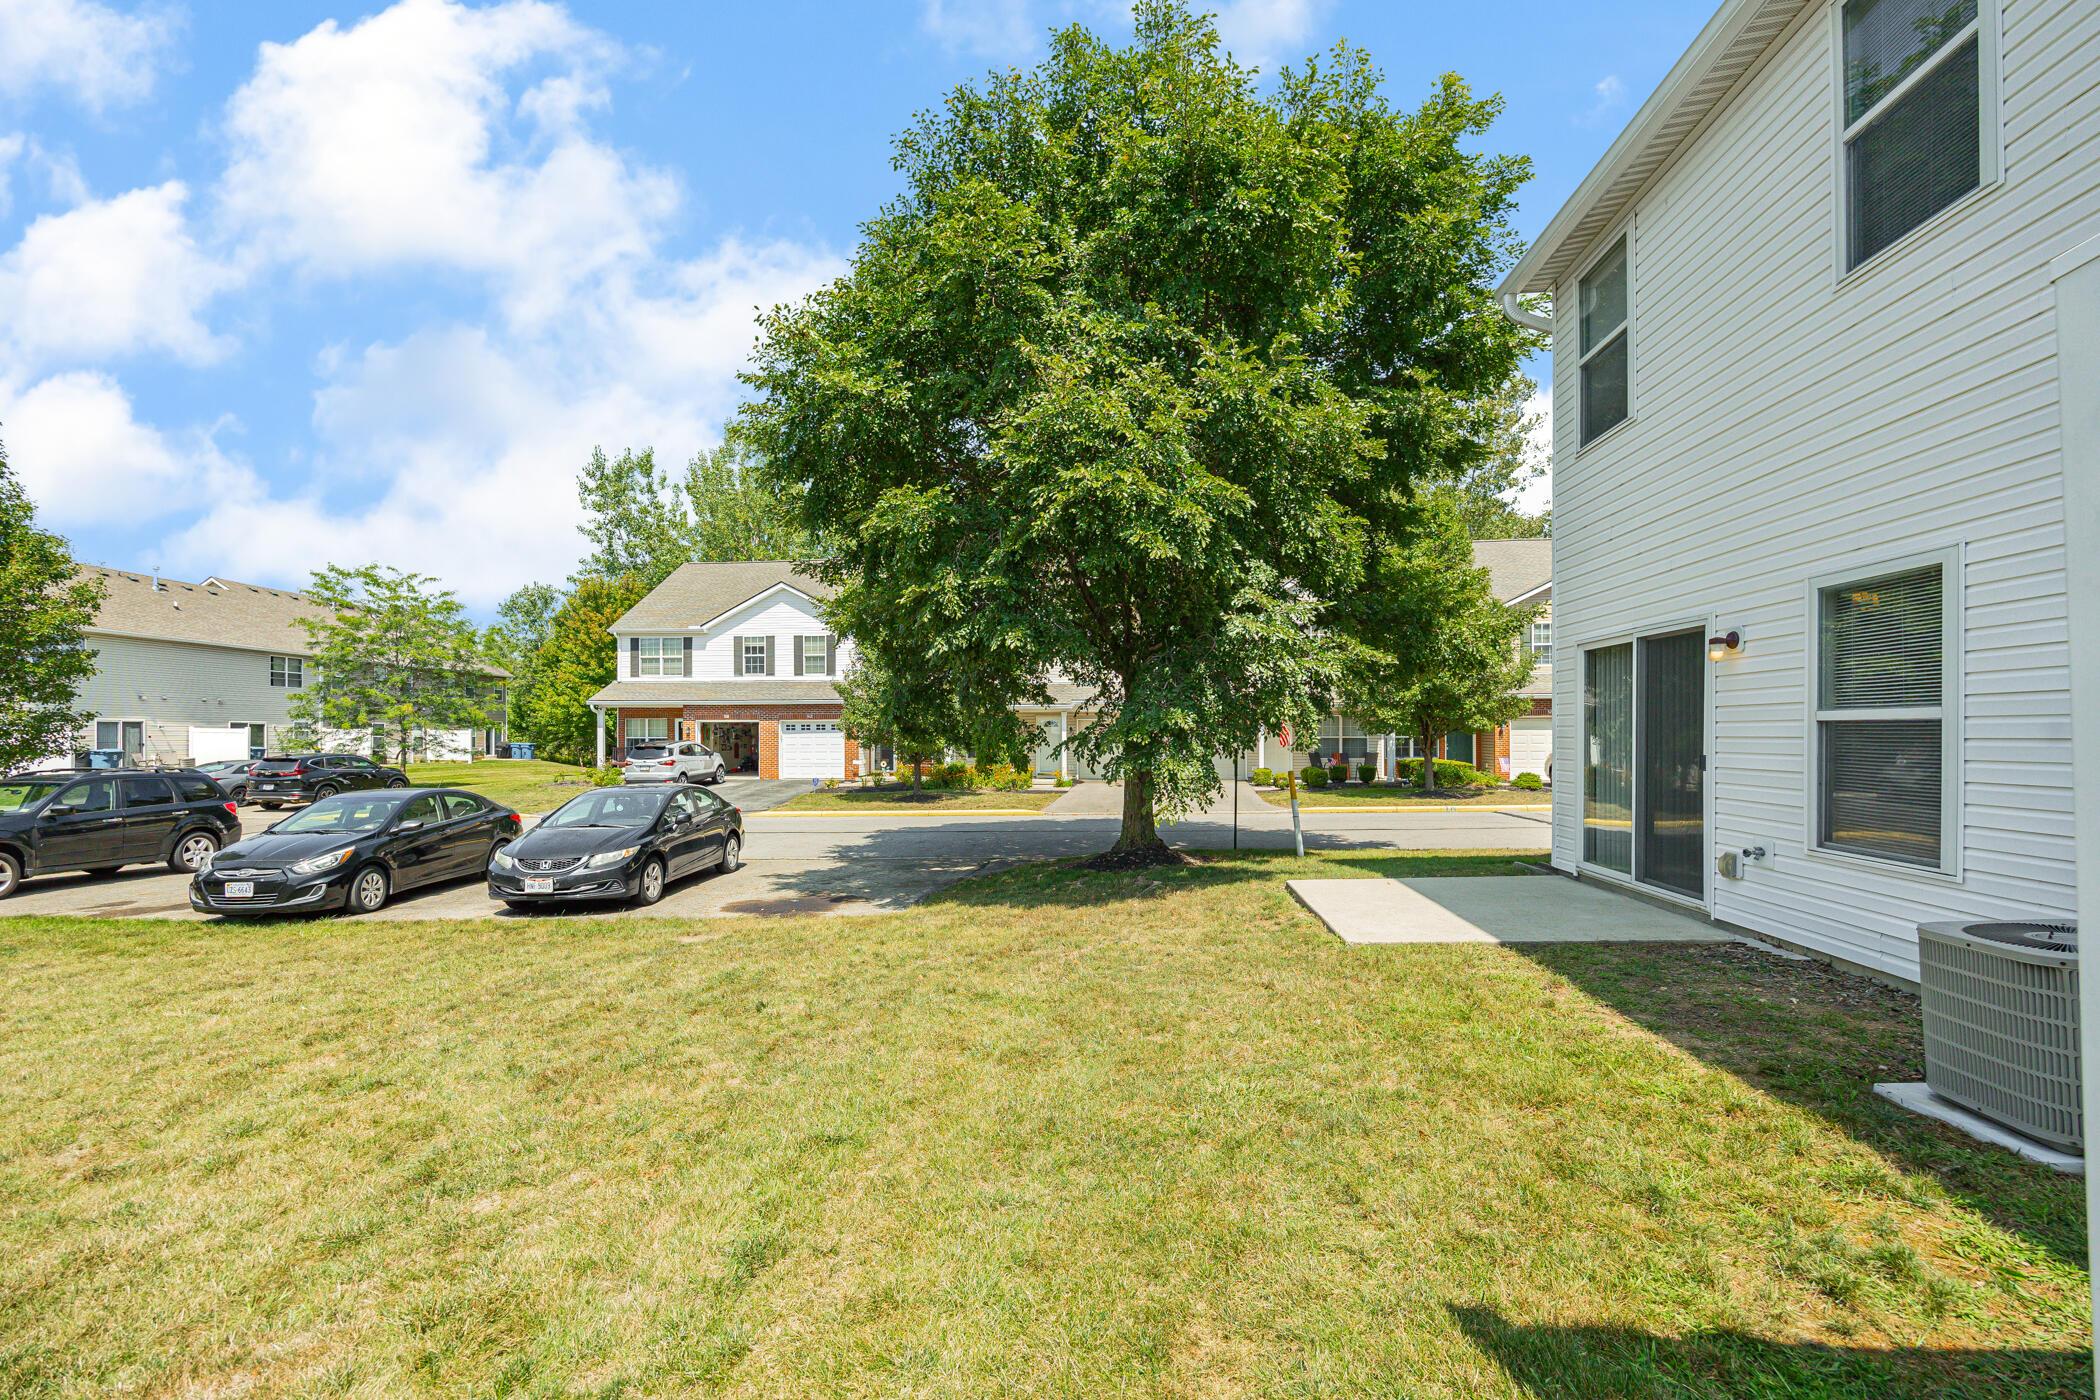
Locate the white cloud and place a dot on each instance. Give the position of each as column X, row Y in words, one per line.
column 102, row 57
column 1609, row 99
column 996, row 29
column 85, row 458
column 1256, row 32
column 111, row 277
column 396, row 141
column 10, row 152
column 1266, row 32
column 1537, row 493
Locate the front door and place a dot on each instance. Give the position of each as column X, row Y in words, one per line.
column 1644, row 761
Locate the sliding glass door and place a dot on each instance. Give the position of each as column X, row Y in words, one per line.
column 1644, row 756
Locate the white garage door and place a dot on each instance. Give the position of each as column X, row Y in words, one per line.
column 1530, row 746
column 812, row 750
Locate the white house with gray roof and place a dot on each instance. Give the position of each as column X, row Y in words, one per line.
column 1809, row 485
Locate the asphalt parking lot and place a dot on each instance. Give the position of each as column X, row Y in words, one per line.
column 851, row 863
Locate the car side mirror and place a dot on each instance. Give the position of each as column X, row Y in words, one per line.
column 409, row 826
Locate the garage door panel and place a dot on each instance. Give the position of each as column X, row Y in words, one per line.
column 812, row 749
column 1531, row 746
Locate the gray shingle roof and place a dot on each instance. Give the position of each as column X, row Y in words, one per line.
column 227, row 613
column 699, row 593
column 1515, row 567
column 659, row 693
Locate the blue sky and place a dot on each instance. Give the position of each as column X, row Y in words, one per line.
column 294, row 283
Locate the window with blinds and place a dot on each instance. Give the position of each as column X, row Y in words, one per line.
column 1606, row 350
column 1882, row 717
column 660, row 656
column 1915, row 81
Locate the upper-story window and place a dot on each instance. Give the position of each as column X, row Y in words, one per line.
column 1916, row 79
column 752, row 655
column 1541, row 638
column 659, row 656
column 1606, row 346
column 288, row 672
column 816, row 656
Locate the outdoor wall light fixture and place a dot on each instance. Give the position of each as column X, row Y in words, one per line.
column 1723, row 646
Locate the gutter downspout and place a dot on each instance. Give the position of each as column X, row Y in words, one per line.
column 1530, row 320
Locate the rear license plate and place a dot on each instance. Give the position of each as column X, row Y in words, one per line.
column 269, row 787
column 240, row 889
column 538, row 886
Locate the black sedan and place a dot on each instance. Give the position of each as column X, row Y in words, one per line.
column 623, row 843
column 272, row 782
column 356, row 850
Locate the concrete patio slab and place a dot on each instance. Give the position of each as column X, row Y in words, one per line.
column 1493, row 909
column 1920, row 1099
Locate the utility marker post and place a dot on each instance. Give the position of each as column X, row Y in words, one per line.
column 1290, row 779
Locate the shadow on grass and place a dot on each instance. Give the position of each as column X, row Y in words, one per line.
column 1621, row 1363
column 1820, row 1039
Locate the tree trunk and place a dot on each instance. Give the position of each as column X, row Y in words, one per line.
column 918, row 772
column 1140, row 833
column 1427, row 743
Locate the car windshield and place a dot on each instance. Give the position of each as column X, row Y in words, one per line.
column 607, row 807
column 17, row 793
column 276, row 765
column 352, row 814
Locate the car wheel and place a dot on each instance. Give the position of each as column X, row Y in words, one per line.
column 193, row 852
column 397, row 782
column 325, row 790
column 368, row 890
column 650, row 888
column 732, row 855
column 269, row 806
column 10, row 874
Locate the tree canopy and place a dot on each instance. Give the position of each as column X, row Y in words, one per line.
column 575, row 662
column 643, row 522
column 1132, row 384
column 44, row 656
column 394, row 655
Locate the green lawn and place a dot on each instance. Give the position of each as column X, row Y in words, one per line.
column 899, row 797
column 527, row 785
column 1055, row 1133
column 1387, row 795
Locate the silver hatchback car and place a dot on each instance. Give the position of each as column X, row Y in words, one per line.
column 679, row 761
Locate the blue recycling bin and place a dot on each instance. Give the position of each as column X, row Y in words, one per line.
column 518, row 750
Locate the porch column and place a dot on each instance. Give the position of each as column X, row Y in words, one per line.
column 2077, row 278
column 598, row 725
column 1064, row 736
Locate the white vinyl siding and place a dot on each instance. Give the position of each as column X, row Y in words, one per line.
column 1793, row 426
column 172, row 686
column 783, row 616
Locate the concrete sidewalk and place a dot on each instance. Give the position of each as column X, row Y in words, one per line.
column 1494, row 909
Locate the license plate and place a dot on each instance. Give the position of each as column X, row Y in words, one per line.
column 538, row 886
column 269, row 787
column 240, row 889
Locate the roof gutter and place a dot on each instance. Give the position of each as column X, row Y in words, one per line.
column 1530, row 320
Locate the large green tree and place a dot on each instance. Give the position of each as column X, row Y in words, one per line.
column 1486, row 487
column 45, row 603
column 642, row 521
column 523, row 622
column 575, row 662
column 394, row 655
column 1132, row 382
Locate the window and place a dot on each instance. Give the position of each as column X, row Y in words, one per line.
column 1914, row 115
column 148, row 792
column 1540, row 640
column 1348, row 738
column 128, row 735
column 641, row 731
column 1607, row 763
column 1605, row 345
column 816, row 656
column 288, row 672
column 458, row 804
column 422, row 809
column 199, row 789
column 659, row 656
column 1883, row 673
column 753, row 653
column 93, row 795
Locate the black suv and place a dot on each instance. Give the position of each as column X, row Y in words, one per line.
column 272, row 782
column 110, row 818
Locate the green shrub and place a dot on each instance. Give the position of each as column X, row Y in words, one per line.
column 1450, row 773
column 607, row 776
column 1066, row 780
column 1316, row 777
column 1006, row 778
column 1366, row 771
column 1339, row 772
column 1529, row 782
column 948, row 775
column 1262, row 777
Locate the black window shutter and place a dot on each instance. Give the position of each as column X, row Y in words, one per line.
column 831, row 653
column 634, row 656
column 798, row 656
column 736, row 656
column 769, row 656
column 688, row 659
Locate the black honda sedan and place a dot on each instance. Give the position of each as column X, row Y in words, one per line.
column 354, row 851
column 618, row 843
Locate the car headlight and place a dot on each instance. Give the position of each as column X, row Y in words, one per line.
column 605, row 858
column 321, row 863
column 502, row 860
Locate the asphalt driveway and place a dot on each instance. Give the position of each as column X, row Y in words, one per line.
column 856, row 863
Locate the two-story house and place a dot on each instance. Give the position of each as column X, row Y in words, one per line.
column 1809, row 509
column 738, row 657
